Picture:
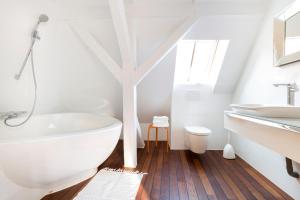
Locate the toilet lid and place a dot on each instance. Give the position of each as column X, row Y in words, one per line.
column 198, row 130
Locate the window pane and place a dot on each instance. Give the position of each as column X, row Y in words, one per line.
column 202, row 62
column 199, row 61
column 183, row 60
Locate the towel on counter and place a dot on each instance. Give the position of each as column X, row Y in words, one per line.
column 160, row 121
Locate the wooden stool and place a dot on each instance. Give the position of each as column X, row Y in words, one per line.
column 156, row 139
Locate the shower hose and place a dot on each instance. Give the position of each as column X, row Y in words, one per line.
column 6, row 121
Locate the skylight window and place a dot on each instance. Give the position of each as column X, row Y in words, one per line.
column 199, row 61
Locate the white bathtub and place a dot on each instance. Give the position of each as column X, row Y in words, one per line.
column 54, row 151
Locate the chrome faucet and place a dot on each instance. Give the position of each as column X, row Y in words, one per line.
column 291, row 89
column 11, row 114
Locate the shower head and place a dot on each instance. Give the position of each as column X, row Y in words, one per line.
column 43, row 18
column 35, row 36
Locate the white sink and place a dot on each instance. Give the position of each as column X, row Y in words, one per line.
column 278, row 111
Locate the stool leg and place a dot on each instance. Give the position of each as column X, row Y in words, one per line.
column 167, row 129
column 148, row 142
column 156, row 139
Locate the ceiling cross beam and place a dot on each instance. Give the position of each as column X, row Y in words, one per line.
column 93, row 45
column 164, row 49
column 129, row 75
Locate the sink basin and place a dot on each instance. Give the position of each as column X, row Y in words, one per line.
column 278, row 111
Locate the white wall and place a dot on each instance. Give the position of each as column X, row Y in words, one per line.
column 198, row 106
column 70, row 78
column 255, row 86
column 154, row 92
column 202, row 105
column 240, row 30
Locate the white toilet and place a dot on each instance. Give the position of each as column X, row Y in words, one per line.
column 197, row 138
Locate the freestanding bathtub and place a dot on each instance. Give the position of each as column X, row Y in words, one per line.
column 54, row 151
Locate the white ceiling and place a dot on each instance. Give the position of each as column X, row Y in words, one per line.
column 95, row 9
column 153, row 21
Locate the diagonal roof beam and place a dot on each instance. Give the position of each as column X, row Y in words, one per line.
column 92, row 44
column 165, row 48
column 118, row 13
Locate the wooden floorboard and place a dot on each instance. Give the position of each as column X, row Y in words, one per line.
column 165, row 177
column 181, row 175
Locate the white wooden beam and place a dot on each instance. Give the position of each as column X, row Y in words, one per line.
column 129, row 122
column 134, row 47
column 165, row 48
column 98, row 51
column 140, row 141
column 119, row 18
column 120, row 22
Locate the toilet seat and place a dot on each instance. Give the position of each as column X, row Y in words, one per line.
column 198, row 130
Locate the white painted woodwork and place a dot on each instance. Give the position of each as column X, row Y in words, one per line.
column 97, row 50
column 113, row 67
column 131, row 75
column 140, row 140
column 165, row 48
column 130, row 130
column 129, row 122
column 120, row 22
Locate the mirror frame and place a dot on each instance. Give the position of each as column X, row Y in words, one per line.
column 279, row 34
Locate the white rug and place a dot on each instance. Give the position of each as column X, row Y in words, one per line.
column 110, row 184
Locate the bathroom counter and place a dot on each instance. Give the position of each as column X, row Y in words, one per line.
column 284, row 123
column 279, row 134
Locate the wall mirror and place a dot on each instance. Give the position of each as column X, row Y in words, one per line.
column 287, row 35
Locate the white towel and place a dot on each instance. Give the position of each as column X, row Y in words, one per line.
column 161, row 124
column 161, row 118
column 160, row 121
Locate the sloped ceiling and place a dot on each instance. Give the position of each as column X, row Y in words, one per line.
column 240, row 31
column 151, row 20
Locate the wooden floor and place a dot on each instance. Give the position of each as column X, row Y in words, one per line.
column 183, row 175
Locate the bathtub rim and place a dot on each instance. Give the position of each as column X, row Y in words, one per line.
column 116, row 123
